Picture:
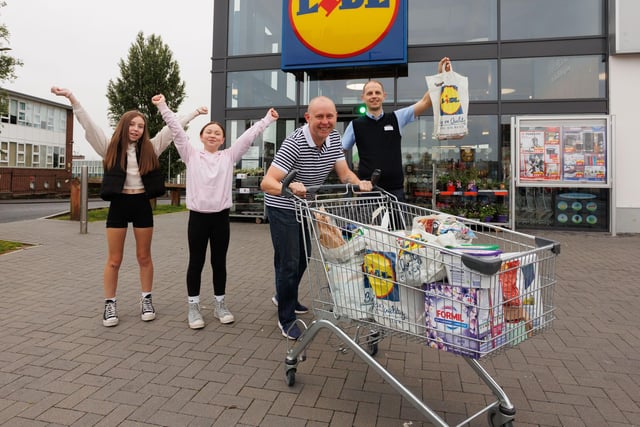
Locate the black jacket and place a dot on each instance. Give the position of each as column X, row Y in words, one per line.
column 113, row 181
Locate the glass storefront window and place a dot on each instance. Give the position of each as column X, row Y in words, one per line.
column 482, row 138
column 342, row 92
column 255, row 27
column 482, row 74
column 262, row 88
column 478, row 157
column 542, row 19
column 565, row 77
column 434, row 21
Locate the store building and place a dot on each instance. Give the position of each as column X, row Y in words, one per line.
column 571, row 65
column 35, row 147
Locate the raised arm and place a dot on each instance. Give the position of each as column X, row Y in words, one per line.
column 93, row 134
column 177, row 133
column 244, row 141
column 163, row 138
column 425, row 103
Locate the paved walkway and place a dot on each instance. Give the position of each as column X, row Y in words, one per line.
column 60, row 366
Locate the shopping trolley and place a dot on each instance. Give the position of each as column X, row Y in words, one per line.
column 379, row 267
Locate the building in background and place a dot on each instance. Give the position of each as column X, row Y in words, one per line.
column 95, row 168
column 522, row 59
column 35, row 147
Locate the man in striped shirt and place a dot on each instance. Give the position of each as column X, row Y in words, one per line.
column 313, row 149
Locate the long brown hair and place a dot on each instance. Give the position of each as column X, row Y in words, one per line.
column 147, row 159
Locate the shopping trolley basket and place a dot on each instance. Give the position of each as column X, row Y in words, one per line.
column 382, row 267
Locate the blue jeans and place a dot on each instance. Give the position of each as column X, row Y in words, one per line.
column 289, row 259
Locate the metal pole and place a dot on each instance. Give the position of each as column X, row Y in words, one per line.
column 84, row 198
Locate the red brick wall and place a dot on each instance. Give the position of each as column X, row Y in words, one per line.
column 33, row 182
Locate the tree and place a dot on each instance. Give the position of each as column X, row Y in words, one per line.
column 150, row 69
column 8, row 63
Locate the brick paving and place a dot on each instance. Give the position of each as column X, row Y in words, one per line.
column 60, row 367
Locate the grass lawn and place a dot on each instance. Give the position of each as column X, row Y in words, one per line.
column 7, row 246
column 100, row 214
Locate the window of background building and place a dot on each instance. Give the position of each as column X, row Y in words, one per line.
column 263, row 88
column 4, row 153
column 22, row 113
column 36, row 156
column 36, row 115
column 436, row 21
column 482, row 79
column 61, row 122
column 255, row 27
column 528, row 19
column 13, row 111
column 50, row 113
column 49, row 159
column 342, row 92
column 20, row 154
column 566, row 77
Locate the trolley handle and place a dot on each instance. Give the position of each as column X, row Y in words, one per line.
column 288, row 179
column 555, row 246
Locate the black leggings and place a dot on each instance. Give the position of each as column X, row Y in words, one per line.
column 202, row 229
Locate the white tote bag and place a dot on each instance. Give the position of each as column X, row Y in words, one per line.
column 449, row 92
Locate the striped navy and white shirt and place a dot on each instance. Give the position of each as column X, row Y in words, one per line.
column 298, row 151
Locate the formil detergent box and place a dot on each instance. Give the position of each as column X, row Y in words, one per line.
column 461, row 320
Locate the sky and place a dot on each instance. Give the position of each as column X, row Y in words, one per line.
column 78, row 44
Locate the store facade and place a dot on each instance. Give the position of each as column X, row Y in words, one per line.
column 522, row 58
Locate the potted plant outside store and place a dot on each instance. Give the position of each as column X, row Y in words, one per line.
column 502, row 212
column 487, row 212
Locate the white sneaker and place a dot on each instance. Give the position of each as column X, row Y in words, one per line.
column 222, row 313
column 195, row 318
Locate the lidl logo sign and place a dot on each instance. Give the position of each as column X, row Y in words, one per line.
column 450, row 101
column 334, row 33
column 351, row 26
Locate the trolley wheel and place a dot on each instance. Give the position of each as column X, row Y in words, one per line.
column 374, row 339
column 373, row 348
column 258, row 220
column 492, row 414
column 290, row 377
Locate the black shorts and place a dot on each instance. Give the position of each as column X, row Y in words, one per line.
column 127, row 208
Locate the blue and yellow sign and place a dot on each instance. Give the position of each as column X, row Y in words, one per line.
column 340, row 33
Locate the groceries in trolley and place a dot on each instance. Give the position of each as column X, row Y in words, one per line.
column 378, row 267
column 433, row 280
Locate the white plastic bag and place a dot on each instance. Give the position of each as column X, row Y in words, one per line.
column 380, row 238
column 419, row 263
column 449, row 92
column 350, row 295
column 448, row 231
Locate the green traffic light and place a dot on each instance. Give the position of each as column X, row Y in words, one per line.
column 361, row 109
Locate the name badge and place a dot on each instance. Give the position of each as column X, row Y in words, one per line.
column 388, row 128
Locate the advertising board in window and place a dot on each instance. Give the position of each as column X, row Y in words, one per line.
column 563, row 151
